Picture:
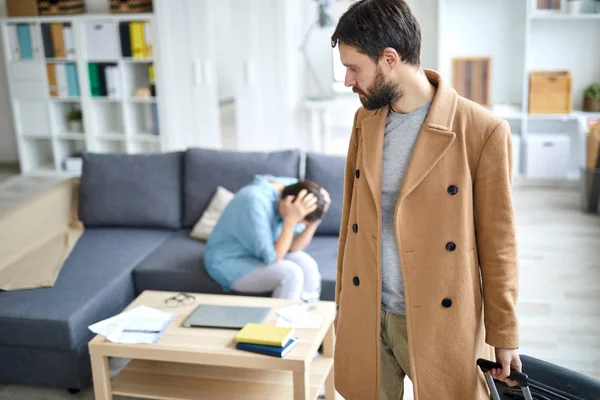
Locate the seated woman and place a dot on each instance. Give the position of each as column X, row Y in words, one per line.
column 256, row 245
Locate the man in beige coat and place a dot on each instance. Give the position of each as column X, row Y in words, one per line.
column 427, row 277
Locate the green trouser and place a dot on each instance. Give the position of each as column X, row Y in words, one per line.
column 394, row 355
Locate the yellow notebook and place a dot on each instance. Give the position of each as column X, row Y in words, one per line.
column 269, row 335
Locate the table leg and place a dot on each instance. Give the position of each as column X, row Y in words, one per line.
column 101, row 376
column 328, row 347
column 301, row 387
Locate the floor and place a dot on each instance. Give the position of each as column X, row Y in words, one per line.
column 559, row 249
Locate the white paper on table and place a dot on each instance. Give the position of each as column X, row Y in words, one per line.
column 296, row 316
column 139, row 325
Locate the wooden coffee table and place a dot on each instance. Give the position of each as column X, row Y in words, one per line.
column 198, row 363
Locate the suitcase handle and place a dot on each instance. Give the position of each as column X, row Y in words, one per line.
column 515, row 375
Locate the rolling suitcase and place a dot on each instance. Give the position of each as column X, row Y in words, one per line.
column 541, row 380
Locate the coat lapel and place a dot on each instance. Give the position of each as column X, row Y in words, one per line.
column 434, row 138
column 373, row 128
column 433, row 141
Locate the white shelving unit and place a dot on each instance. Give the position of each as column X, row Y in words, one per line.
column 110, row 124
column 520, row 39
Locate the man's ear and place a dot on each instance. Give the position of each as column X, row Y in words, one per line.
column 391, row 58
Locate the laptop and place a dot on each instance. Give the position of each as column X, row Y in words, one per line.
column 225, row 317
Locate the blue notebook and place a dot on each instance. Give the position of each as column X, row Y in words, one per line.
column 274, row 351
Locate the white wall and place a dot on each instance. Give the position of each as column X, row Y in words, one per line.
column 8, row 146
column 224, row 34
column 319, row 46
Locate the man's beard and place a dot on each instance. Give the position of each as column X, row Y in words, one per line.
column 380, row 94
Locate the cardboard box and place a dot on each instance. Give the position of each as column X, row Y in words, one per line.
column 22, row 8
column 550, row 92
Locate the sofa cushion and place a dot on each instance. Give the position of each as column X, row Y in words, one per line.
column 328, row 171
column 176, row 265
column 95, row 283
column 132, row 190
column 206, row 169
column 324, row 250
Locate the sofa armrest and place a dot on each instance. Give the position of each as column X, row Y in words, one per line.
column 38, row 235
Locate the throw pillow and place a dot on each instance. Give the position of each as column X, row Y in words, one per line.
column 207, row 222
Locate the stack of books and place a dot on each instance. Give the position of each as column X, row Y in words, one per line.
column 266, row 339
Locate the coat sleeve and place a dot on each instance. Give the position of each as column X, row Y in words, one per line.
column 496, row 238
column 348, row 188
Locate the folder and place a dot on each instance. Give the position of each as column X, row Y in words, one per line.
column 25, row 42
column 68, row 41
column 72, row 81
column 52, row 83
column 264, row 334
column 47, row 38
column 138, row 45
column 94, row 79
column 148, row 39
column 125, row 35
column 58, row 41
column 61, row 80
column 14, row 42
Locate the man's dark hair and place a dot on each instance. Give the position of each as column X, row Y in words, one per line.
column 311, row 187
column 372, row 25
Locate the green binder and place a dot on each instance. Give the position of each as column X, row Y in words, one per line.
column 94, row 79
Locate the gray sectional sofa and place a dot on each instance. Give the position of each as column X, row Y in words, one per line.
column 137, row 211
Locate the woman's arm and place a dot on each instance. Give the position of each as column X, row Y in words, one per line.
column 302, row 240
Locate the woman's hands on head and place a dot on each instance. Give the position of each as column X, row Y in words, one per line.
column 295, row 210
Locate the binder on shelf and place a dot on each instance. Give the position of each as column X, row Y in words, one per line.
column 138, row 43
column 61, row 79
column 155, row 125
column 68, row 41
column 102, row 79
column 152, row 80
column 25, row 46
column 125, row 35
column 15, row 47
column 47, row 38
column 72, row 81
column 113, row 81
column 52, row 83
column 94, row 79
column 58, row 41
column 148, row 39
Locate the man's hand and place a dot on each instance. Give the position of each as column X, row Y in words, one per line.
column 508, row 358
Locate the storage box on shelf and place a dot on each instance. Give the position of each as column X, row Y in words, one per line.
column 550, row 92
column 61, row 7
column 547, row 156
column 58, row 65
column 32, row 8
column 130, row 6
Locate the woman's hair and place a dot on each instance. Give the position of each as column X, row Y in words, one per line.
column 311, row 187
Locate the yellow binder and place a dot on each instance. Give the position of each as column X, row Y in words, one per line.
column 269, row 335
column 138, row 44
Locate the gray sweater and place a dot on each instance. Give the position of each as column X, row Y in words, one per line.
column 401, row 132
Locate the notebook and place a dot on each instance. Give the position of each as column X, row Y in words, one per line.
column 264, row 334
column 275, row 351
column 225, row 317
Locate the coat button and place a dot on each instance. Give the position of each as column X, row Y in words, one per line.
column 446, row 303
column 355, row 228
column 357, row 173
column 450, row 246
column 356, row 281
column 452, row 190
